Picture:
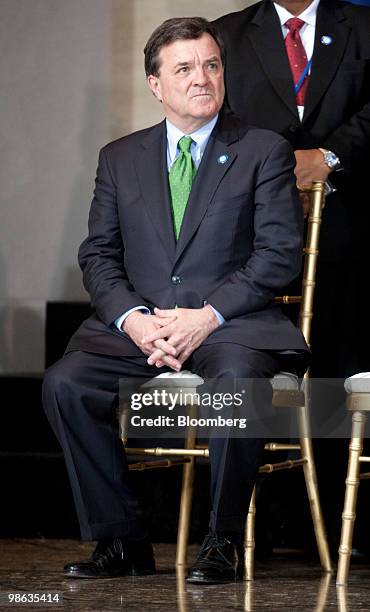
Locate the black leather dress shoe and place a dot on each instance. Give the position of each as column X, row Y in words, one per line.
column 115, row 558
column 218, row 561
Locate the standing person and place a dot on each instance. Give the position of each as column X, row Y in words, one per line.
column 302, row 69
column 199, row 212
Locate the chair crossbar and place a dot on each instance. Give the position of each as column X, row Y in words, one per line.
column 163, row 452
column 283, row 465
column 140, row 466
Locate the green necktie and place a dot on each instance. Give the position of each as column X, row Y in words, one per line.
column 181, row 178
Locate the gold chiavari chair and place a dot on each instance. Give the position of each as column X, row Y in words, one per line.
column 358, row 402
column 288, row 391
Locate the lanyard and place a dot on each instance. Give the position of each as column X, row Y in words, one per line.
column 298, row 86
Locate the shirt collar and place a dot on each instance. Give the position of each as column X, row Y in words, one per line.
column 308, row 15
column 200, row 138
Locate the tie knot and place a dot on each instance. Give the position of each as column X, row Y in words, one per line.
column 294, row 24
column 184, row 144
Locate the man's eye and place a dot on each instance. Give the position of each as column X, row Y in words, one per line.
column 212, row 66
column 183, row 69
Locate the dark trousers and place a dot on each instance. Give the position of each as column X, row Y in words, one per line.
column 80, row 397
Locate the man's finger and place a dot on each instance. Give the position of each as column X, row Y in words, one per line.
column 167, row 347
column 165, row 313
column 158, row 334
column 172, row 363
column 303, row 188
column 163, row 320
column 162, row 348
column 160, row 356
column 184, row 355
column 157, row 354
column 305, row 201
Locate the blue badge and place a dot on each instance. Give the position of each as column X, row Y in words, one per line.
column 223, row 159
column 326, row 40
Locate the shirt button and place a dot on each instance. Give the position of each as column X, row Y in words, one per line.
column 175, row 280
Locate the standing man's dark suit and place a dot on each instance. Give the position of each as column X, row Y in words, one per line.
column 240, row 242
column 259, row 89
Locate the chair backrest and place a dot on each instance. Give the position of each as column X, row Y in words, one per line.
column 316, row 195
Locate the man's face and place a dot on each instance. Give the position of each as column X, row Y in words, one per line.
column 190, row 84
column 296, row 7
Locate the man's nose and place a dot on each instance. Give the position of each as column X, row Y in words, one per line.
column 200, row 75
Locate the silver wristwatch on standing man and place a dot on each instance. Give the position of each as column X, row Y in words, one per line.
column 331, row 159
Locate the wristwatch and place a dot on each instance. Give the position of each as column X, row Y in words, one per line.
column 330, row 159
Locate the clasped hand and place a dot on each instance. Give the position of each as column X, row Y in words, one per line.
column 170, row 336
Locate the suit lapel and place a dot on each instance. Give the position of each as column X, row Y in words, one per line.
column 151, row 165
column 210, row 173
column 326, row 58
column 267, row 40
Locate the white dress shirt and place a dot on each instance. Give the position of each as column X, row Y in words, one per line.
column 200, row 139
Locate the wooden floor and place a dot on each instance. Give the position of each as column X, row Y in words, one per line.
column 287, row 582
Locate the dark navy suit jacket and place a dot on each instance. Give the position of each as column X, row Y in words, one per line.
column 239, row 244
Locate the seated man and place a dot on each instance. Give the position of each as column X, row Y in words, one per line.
column 198, row 212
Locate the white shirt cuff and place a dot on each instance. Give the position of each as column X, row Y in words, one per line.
column 218, row 315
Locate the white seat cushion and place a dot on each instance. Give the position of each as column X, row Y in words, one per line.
column 283, row 381
column 184, row 378
column 359, row 383
column 185, row 381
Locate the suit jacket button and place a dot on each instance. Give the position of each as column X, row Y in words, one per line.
column 293, row 128
column 175, row 280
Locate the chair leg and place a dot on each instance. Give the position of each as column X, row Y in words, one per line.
column 309, row 471
column 185, row 511
column 186, row 499
column 123, row 414
column 249, row 542
column 350, row 499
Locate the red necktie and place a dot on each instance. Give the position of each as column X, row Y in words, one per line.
column 296, row 55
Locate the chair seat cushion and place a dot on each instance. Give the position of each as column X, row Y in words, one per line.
column 184, row 378
column 283, row 381
column 359, row 383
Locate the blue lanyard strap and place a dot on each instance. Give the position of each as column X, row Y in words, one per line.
column 298, row 86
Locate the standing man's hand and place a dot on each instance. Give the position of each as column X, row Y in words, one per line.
column 189, row 329
column 310, row 166
column 138, row 325
column 305, row 201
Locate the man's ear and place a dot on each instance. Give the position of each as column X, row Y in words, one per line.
column 155, row 86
